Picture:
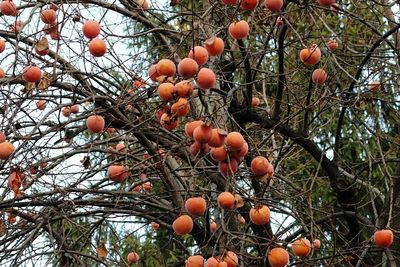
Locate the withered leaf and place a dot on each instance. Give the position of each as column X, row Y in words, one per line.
column 239, row 201
column 3, row 228
column 42, row 44
column 44, row 82
column 101, row 250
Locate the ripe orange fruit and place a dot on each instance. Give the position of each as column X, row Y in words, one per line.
column 219, row 153
column 332, row 45
column 239, row 30
column 215, row 46
column 206, row 78
column 41, row 52
column 226, row 200
column 255, row 101
column 229, row 2
column 274, row 5
column 147, row 186
column 202, row 133
column 261, row 166
column 184, row 88
column 196, row 206
column 32, row 74
column 133, row 257
column 165, row 91
column 195, row 261
column 326, row 2
column 181, row 107
column 188, row 68
column 260, row 215
column 311, row 55
column 199, row 149
column 41, row 104
column 95, row 123
column 2, row 73
column 154, row 225
column 143, row 4
column 2, row 137
column 121, row 148
column 117, row 173
column 228, row 168
column 374, row 86
column 383, row 238
column 231, row 259
column 217, row 138
column 213, row 227
column 2, row 45
column 301, row 247
column 48, row 16
column 75, row 108
column 278, row 257
column 234, row 141
column 190, row 126
column 182, row 225
column 8, row 8
column 152, row 72
column 316, row 244
column 319, row 76
column 55, row 35
column 97, row 47
column 199, row 54
column 66, row 111
column 169, row 122
column 249, row 4
column 6, row 149
column 91, row 29
column 166, row 67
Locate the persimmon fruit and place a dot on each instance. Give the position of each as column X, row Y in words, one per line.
column 239, row 30
column 187, row 68
column 278, row 257
column 190, row 126
column 316, row 244
column 184, row 88
column 234, row 141
column 153, row 73
column 199, row 54
column 196, row 206
column 202, row 133
column 181, row 107
column 319, row 76
column 260, row 166
column 311, row 55
column 219, row 153
column 8, row 8
column 206, row 78
column 195, row 261
column 95, row 123
column 260, row 215
column 274, row 5
column 383, row 238
column 218, row 137
column 41, row 104
column 248, row 4
column 182, row 225
column 332, row 45
column 228, row 167
column 166, row 67
column 326, row 2
column 97, row 47
column 226, row 200
column 133, row 257
column 117, row 173
column 48, row 16
column 91, row 29
column 32, row 74
column 6, row 149
column 231, row 259
column 2, row 45
column 169, row 122
column 301, row 247
column 165, row 91
column 215, row 46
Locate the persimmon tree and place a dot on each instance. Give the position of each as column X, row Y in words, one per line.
column 198, row 133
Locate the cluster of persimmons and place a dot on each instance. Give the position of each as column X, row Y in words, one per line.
column 176, row 85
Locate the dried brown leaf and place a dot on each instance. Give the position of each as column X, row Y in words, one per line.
column 43, row 44
column 239, row 201
column 101, row 250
